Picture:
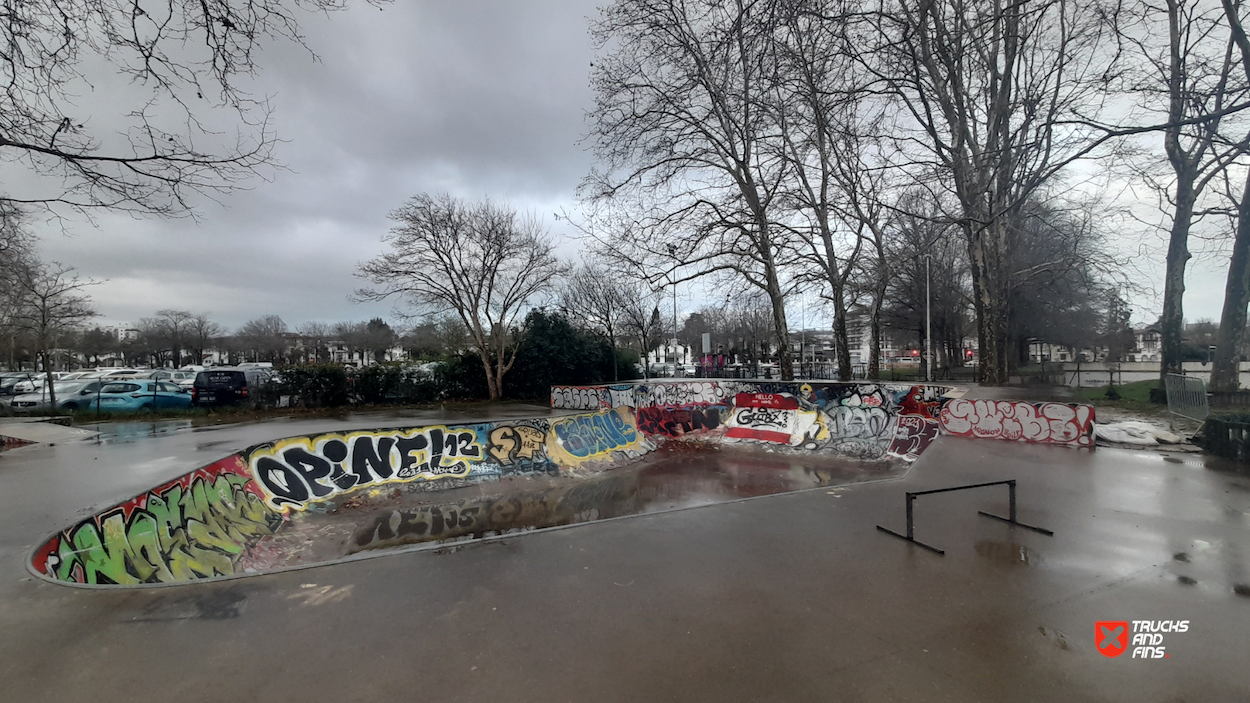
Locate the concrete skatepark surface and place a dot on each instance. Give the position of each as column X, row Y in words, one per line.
column 787, row 597
column 327, row 496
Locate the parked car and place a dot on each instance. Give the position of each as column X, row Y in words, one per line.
column 112, row 373
column 122, row 373
column 226, row 385
column 32, row 384
column 250, row 365
column 140, row 394
column 180, row 378
column 8, row 384
column 70, row 395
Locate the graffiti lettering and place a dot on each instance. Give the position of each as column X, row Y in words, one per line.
column 579, row 397
column 520, row 449
column 862, row 422
column 621, row 396
column 589, row 435
column 677, row 422
column 766, row 417
column 1054, row 423
column 192, row 528
column 912, row 435
column 298, row 471
column 686, row 393
column 763, row 417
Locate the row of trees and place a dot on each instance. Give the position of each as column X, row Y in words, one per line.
column 476, row 269
column 776, row 143
column 175, row 337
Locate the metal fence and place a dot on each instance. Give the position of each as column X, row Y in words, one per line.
column 1227, row 436
column 1187, row 398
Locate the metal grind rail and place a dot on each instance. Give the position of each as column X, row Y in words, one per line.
column 1010, row 519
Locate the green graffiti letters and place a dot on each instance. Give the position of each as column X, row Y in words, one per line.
column 180, row 535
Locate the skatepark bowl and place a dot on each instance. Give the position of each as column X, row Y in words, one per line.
column 622, row 450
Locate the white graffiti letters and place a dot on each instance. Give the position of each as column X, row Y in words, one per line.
column 1056, row 423
column 579, row 397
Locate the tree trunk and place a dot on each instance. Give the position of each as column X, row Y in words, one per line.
column 1224, row 369
column 499, row 372
column 492, row 390
column 841, row 343
column 1172, row 321
column 47, row 371
column 780, row 329
column 989, row 288
column 874, row 325
column 616, row 376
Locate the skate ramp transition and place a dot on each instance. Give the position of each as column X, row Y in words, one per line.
column 324, row 498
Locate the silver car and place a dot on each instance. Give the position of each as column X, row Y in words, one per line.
column 70, row 395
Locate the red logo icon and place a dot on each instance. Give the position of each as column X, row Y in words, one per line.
column 1111, row 637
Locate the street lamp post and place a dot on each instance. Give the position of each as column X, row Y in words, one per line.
column 928, row 324
column 672, row 252
column 802, row 334
column 674, row 328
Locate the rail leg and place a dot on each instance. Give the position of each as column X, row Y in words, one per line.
column 1011, row 507
column 911, row 529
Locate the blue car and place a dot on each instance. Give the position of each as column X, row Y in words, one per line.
column 139, row 395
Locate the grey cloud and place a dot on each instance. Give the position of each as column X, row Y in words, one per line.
column 476, row 98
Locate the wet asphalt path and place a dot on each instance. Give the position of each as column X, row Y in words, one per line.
column 781, row 598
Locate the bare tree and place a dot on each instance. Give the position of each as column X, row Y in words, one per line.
column 16, row 254
column 177, row 326
column 927, row 267
column 593, row 298
column 996, row 95
column 352, row 336
column 640, row 318
column 679, row 128
column 1225, row 374
column 152, row 342
column 202, row 333
column 317, row 334
column 265, row 337
column 479, row 261
column 452, row 336
column 52, row 303
column 182, row 62
column 829, row 123
column 749, row 322
column 1186, row 72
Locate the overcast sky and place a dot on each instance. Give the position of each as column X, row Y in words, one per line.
column 475, row 98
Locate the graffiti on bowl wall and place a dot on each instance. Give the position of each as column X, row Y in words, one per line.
column 297, row 472
column 1053, row 423
column 577, row 439
column 194, row 527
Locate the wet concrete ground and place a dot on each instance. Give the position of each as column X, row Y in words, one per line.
column 677, row 476
column 781, row 598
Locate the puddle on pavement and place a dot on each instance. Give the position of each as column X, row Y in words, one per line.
column 1008, row 553
column 685, row 477
column 130, row 431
